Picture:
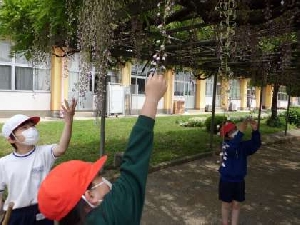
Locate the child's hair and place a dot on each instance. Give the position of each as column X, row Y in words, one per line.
column 78, row 214
column 12, row 137
column 226, row 136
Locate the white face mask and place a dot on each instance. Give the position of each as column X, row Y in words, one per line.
column 233, row 134
column 31, row 136
column 104, row 181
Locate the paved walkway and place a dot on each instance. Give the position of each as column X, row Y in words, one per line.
column 187, row 193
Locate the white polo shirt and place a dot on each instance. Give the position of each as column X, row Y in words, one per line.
column 23, row 174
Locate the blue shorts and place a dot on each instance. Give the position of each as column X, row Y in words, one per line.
column 231, row 191
column 28, row 216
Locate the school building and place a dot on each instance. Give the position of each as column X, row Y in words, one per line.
column 41, row 89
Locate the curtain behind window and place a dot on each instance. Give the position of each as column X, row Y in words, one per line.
column 235, row 89
column 141, row 85
column 179, row 88
column 208, row 88
column 24, row 78
column 42, row 81
column 5, row 77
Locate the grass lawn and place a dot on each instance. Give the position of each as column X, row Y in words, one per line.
column 171, row 140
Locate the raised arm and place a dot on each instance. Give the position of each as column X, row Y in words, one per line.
column 254, row 144
column 137, row 155
column 134, row 168
column 232, row 145
column 155, row 89
column 126, row 199
column 69, row 112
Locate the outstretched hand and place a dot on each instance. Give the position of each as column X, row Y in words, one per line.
column 69, row 110
column 242, row 126
column 253, row 124
column 156, row 87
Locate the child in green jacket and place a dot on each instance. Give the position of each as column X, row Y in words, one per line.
column 75, row 193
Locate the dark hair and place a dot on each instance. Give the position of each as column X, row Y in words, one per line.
column 77, row 215
column 12, row 136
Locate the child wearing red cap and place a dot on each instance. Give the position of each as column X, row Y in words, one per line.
column 74, row 192
column 22, row 171
column 233, row 167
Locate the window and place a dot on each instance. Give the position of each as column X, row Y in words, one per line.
column 138, row 79
column 5, row 77
column 178, row 89
column 24, row 78
column 114, row 76
column 141, row 82
column 77, row 83
column 42, row 79
column 209, row 84
column 184, row 84
column 16, row 73
column 235, row 90
column 89, row 83
column 282, row 95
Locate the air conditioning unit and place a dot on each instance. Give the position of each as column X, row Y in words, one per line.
column 232, row 107
column 208, row 108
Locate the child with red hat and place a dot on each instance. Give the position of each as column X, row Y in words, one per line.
column 233, row 168
column 75, row 193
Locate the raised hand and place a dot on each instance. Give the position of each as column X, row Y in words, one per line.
column 155, row 88
column 242, row 126
column 69, row 110
column 253, row 124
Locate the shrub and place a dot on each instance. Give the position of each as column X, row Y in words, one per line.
column 219, row 120
column 192, row 122
column 294, row 116
column 274, row 122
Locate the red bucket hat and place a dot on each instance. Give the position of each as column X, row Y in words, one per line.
column 227, row 127
column 64, row 186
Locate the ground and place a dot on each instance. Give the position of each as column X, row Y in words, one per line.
column 187, row 193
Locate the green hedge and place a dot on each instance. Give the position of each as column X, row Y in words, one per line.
column 294, row 116
column 219, row 120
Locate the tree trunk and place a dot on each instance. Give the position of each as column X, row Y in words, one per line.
column 274, row 101
column 213, row 113
column 103, row 114
column 287, row 115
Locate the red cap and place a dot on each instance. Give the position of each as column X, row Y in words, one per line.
column 227, row 127
column 65, row 184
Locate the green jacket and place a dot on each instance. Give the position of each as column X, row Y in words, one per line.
column 124, row 203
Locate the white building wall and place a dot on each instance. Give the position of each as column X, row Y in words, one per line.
column 24, row 86
column 20, row 102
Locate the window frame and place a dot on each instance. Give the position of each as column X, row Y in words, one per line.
column 186, row 82
column 235, row 89
column 13, row 63
column 138, row 74
column 282, row 94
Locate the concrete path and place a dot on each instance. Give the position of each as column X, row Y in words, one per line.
column 187, row 193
